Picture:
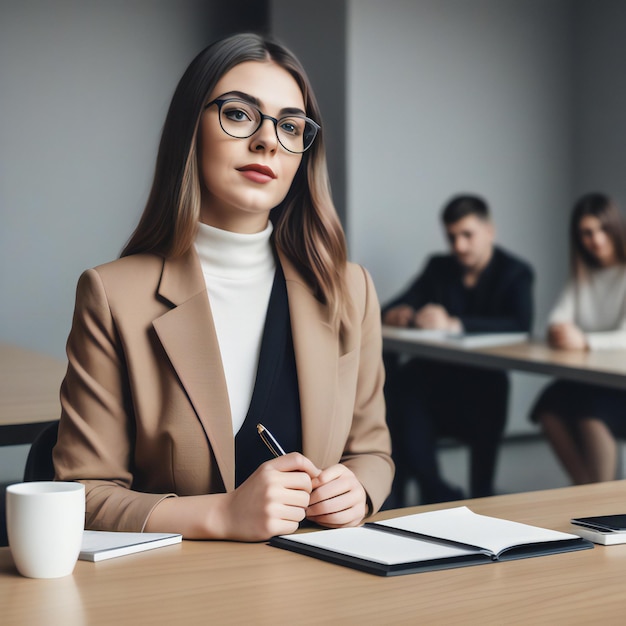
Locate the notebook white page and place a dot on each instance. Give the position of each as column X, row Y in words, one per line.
column 462, row 525
column 380, row 547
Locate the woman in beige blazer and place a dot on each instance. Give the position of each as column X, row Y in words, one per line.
column 233, row 302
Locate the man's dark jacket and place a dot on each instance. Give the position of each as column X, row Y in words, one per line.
column 501, row 300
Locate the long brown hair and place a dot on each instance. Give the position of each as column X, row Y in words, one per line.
column 306, row 226
column 605, row 210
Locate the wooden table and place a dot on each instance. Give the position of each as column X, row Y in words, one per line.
column 606, row 367
column 29, row 393
column 233, row 583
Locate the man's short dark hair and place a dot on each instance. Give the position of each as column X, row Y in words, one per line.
column 462, row 206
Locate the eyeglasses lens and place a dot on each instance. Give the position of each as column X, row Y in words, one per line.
column 241, row 119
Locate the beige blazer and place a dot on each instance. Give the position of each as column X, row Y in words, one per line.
column 145, row 410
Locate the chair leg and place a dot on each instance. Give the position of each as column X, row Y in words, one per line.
column 619, row 465
column 4, row 540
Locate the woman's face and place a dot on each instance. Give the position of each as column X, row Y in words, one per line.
column 596, row 241
column 243, row 179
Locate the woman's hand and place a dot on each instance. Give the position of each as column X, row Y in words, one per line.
column 338, row 499
column 272, row 501
column 566, row 336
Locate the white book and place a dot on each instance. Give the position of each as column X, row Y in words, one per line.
column 487, row 340
column 101, row 545
column 464, row 340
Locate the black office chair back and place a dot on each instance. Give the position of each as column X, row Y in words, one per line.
column 38, row 467
column 39, row 461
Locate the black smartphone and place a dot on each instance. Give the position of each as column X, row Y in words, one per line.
column 605, row 523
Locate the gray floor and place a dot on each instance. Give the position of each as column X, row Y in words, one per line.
column 525, row 464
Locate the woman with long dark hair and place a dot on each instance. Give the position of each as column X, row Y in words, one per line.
column 580, row 420
column 233, row 304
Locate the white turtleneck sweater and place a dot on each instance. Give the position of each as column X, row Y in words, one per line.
column 597, row 305
column 239, row 273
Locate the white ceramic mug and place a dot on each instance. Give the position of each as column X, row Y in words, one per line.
column 45, row 523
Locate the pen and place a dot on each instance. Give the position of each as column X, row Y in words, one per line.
column 268, row 439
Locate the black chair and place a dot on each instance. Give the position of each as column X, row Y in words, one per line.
column 39, row 461
column 38, row 467
column 4, row 540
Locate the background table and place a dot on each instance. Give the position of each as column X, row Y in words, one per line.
column 232, row 583
column 604, row 367
column 29, row 393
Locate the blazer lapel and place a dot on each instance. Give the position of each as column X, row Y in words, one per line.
column 316, row 351
column 188, row 336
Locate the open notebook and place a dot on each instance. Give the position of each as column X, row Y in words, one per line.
column 427, row 541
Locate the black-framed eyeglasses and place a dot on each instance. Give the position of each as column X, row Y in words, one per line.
column 241, row 120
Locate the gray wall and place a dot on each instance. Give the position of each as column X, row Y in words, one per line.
column 321, row 47
column 84, row 89
column 449, row 96
column 599, row 97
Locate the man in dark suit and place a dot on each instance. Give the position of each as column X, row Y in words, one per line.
column 477, row 288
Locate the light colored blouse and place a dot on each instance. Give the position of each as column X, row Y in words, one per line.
column 239, row 272
column 597, row 305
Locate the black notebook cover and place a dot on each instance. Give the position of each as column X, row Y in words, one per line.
column 407, row 544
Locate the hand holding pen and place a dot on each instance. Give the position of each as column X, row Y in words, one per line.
column 273, row 500
column 337, row 498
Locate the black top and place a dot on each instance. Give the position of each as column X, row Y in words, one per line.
column 275, row 399
column 500, row 301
